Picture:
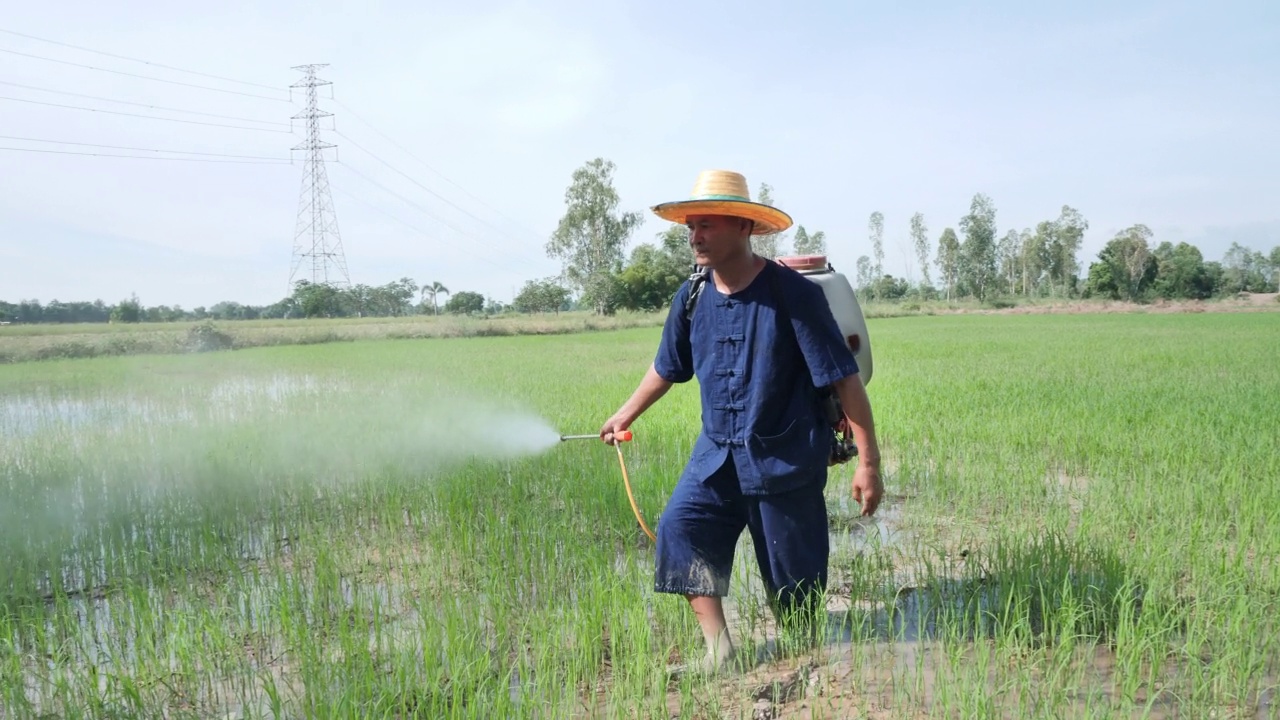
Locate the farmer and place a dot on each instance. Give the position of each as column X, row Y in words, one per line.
column 761, row 339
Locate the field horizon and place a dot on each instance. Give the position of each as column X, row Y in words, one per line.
column 55, row 341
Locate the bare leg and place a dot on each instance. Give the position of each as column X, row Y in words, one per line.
column 710, row 613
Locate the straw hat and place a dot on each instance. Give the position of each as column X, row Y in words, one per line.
column 723, row 192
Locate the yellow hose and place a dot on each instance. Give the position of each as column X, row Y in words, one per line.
column 631, row 496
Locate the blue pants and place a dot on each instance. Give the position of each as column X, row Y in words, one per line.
column 702, row 522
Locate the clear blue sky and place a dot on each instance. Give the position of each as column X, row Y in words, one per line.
column 1163, row 113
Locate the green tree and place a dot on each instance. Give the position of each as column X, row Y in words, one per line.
column 1244, row 270
column 592, row 234
column 875, row 228
column 800, row 240
column 866, row 276
column 978, row 269
column 920, row 239
column 807, row 244
column 126, row 311
column 1009, row 254
column 1036, row 257
column 433, row 291
column 1067, row 234
column 654, row 272
column 1215, row 276
column 949, row 260
column 1134, row 252
column 651, row 278
column 393, row 299
column 465, row 303
column 1125, row 267
column 675, row 242
column 1180, row 272
column 545, row 295
column 887, row 287
column 358, row 300
column 1102, row 280
column 317, row 299
column 1275, row 267
column 818, row 242
column 769, row 245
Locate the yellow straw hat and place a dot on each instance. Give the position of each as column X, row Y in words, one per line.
column 723, row 192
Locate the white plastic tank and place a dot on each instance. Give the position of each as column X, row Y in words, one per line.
column 844, row 305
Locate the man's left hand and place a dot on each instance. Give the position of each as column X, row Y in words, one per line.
column 867, row 488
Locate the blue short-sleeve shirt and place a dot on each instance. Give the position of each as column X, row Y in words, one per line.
column 759, row 366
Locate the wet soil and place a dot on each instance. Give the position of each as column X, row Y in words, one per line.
column 896, row 659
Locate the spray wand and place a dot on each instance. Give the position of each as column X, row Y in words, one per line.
column 618, row 439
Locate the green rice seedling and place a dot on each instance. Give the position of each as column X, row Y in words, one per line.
column 1082, row 507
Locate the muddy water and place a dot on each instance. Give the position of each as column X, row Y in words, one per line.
column 879, row 679
column 850, row 532
column 894, row 654
column 897, row 659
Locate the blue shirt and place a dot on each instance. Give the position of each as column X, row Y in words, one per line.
column 759, row 367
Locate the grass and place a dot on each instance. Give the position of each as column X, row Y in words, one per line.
column 1081, row 523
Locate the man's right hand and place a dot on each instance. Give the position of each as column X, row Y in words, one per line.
column 615, row 424
column 867, row 487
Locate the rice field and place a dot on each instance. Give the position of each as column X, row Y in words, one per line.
column 1083, row 520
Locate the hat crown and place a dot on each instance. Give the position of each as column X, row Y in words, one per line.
column 720, row 184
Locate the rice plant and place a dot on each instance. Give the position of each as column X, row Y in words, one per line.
column 1080, row 523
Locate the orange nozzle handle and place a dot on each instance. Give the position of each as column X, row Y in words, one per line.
column 622, row 436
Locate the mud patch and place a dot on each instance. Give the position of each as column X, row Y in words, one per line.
column 849, row 529
column 879, row 680
column 1022, row 614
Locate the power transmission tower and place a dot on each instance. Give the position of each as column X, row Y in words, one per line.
column 316, row 239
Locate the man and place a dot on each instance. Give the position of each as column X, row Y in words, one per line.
column 761, row 340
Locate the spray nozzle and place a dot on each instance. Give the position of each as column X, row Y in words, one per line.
column 622, row 436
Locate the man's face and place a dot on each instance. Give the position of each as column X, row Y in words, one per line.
column 716, row 238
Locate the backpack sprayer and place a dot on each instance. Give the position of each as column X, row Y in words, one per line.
column 848, row 316
column 853, row 326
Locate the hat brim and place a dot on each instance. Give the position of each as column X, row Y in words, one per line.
column 768, row 220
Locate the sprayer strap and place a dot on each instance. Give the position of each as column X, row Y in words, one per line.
column 697, row 281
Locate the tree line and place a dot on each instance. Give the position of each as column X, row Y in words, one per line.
column 972, row 261
column 1043, row 263
column 395, row 299
column 975, row 262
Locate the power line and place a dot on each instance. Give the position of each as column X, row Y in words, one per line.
column 145, row 105
column 415, row 205
column 413, row 227
column 402, row 198
column 144, row 62
column 138, row 149
column 149, row 117
column 415, row 182
column 144, row 77
column 146, row 157
column 427, row 165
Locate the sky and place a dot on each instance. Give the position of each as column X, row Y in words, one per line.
column 458, row 129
